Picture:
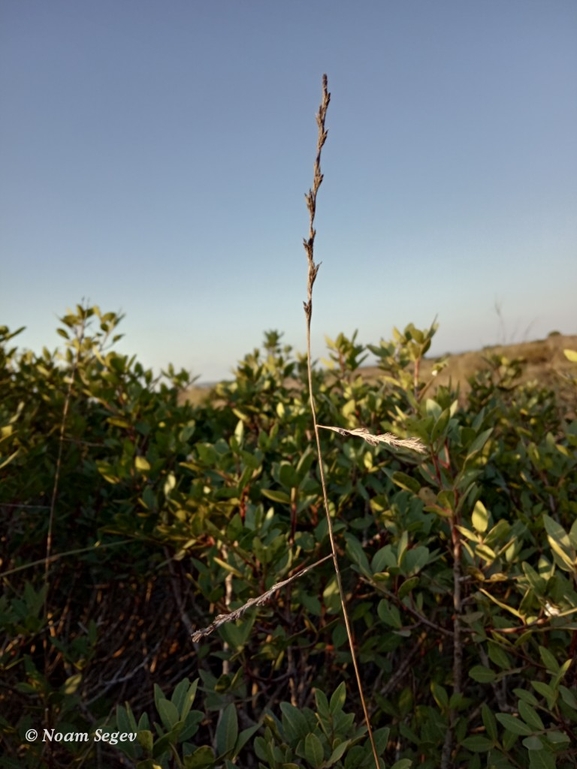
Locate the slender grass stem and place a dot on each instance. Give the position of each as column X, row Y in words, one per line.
column 67, row 554
column 313, row 268
column 67, row 399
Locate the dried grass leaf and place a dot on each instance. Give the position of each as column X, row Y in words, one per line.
column 258, row 601
column 391, row 440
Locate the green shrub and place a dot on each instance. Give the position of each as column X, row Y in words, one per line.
column 459, row 565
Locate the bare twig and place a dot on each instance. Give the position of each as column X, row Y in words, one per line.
column 227, row 601
column 414, row 612
column 402, row 669
column 185, row 619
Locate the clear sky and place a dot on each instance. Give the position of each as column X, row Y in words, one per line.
column 154, row 158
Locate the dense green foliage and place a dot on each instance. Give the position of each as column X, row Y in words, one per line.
column 459, row 565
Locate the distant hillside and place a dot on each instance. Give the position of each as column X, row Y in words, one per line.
column 544, row 362
column 544, row 358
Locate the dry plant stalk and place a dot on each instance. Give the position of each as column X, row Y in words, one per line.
column 374, row 440
column 258, row 601
column 448, row 745
column 359, row 432
column 49, row 558
column 67, row 399
column 313, row 268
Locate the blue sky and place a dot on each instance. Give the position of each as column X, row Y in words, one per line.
column 154, row 158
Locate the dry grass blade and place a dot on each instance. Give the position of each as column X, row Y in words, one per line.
column 391, row 440
column 258, row 601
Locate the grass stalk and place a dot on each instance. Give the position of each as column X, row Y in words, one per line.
column 65, row 409
column 48, row 559
column 232, row 616
column 57, row 556
column 393, row 441
column 313, row 268
column 457, row 640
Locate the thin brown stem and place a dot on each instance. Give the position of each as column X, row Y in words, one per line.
column 414, row 612
column 67, row 400
column 313, row 268
column 57, row 556
column 457, row 641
